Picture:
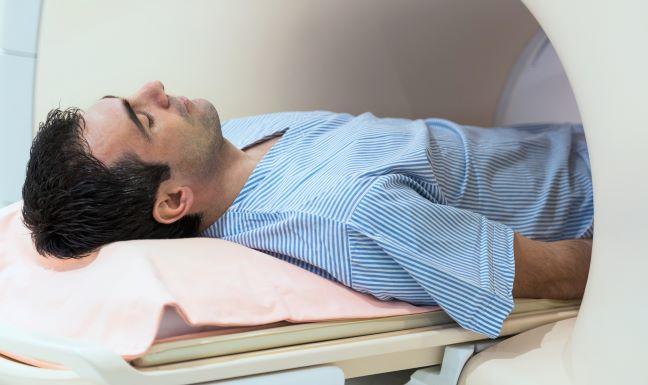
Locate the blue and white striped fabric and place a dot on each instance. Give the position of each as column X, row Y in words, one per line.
column 416, row 210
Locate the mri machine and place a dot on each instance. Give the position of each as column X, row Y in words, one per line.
column 472, row 61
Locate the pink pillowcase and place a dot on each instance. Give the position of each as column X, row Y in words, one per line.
column 117, row 299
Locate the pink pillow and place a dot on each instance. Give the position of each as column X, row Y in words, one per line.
column 117, row 299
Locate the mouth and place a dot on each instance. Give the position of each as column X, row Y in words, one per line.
column 188, row 106
column 181, row 104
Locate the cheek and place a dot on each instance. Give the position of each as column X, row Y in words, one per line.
column 187, row 150
column 195, row 148
column 184, row 146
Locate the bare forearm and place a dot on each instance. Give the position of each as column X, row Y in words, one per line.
column 555, row 270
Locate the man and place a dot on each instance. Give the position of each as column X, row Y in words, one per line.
column 424, row 211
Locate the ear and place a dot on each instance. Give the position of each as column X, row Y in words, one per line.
column 172, row 203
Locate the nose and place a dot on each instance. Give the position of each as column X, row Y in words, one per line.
column 151, row 93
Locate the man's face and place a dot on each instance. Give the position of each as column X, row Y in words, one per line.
column 159, row 128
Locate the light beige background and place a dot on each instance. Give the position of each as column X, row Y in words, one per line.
column 410, row 58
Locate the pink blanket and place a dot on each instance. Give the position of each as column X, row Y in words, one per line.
column 117, row 298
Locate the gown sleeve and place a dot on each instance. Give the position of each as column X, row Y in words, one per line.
column 461, row 259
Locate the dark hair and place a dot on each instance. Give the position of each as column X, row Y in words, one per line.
column 74, row 204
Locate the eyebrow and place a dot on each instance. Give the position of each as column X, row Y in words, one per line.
column 131, row 115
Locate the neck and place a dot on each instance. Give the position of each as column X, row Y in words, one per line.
column 218, row 191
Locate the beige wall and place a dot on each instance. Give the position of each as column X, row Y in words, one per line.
column 410, row 58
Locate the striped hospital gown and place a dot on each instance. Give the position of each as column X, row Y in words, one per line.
column 416, row 210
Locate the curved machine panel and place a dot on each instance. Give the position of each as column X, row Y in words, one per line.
column 412, row 59
column 537, row 89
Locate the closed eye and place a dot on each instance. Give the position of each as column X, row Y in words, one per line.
column 132, row 115
column 151, row 121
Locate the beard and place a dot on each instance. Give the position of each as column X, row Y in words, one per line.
column 207, row 115
column 201, row 147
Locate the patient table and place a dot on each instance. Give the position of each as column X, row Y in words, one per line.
column 329, row 351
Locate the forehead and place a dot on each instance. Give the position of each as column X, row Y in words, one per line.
column 109, row 132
